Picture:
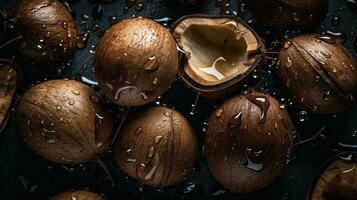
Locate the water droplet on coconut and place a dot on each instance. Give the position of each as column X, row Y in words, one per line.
column 138, row 131
column 71, row 102
column 219, row 113
column 76, row 92
column 158, row 139
column 64, row 25
column 287, row 44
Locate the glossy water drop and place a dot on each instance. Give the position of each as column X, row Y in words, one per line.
column 335, row 20
column 158, row 139
column 64, row 25
column 71, row 102
column 139, row 7
column 302, row 116
column 138, row 131
column 219, row 113
column 59, row 107
column 288, row 63
column 327, row 39
column 262, row 102
column 256, row 167
column 287, row 44
column 75, row 92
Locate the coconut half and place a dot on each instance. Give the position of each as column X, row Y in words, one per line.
column 338, row 180
column 219, row 52
column 8, row 84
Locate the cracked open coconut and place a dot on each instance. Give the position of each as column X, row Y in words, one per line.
column 338, row 180
column 218, row 53
column 8, row 83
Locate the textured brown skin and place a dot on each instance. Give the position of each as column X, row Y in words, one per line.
column 174, row 154
column 299, row 80
column 43, row 19
column 78, row 132
column 336, row 180
column 9, row 82
column 226, row 147
column 77, row 195
column 282, row 14
column 123, row 54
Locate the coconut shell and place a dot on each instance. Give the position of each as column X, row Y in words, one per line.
column 157, row 148
column 248, row 142
column 8, row 85
column 337, row 179
column 47, row 29
column 318, row 73
column 218, row 53
column 77, row 195
column 289, row 14
column 136, row 61
column 64, row 121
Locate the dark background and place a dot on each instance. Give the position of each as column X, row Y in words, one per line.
column 24, row 175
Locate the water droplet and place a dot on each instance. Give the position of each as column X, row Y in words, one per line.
column 166, row 114
column 71, row 102
column 139, row 7
column 151, row 152
column 94, row 98
column 354, row 133
column 59, row 107
column 138, row 131
column 158, row 139
column 327, row 39
column 262, row 102
column 156, row 80
column 335, row 20
column 236, row 121
column 64, row 25
column 287, row 44
column 219, row 113
column 289, row 63
column 326, row 95
column 76, row 92
column 302, row 116
column 256, row 167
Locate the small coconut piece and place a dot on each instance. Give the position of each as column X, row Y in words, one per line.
column 157, row 148
column 77, row 195
column 136, row 61
column 8, row 84
column 64, row 121
column 45, row 30
column 219, row 52
column 248, row 142
column 338, row 180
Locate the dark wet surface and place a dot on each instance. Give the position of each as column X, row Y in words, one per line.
column 24, row 175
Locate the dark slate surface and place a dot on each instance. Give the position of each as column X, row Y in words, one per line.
column 24, row 175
